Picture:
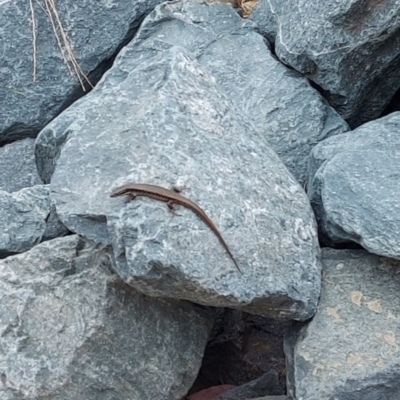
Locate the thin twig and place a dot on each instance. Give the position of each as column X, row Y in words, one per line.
column 33, row 39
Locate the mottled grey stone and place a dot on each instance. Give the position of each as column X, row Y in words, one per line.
column 279, row 103
column 350, row 48
column 27, row 217
column 54, row 226
column 163, row 119
column 350, row 349
column 21, row 223
column 96, row 29
column 70, row 329
column 17, row 166
column 354, row 186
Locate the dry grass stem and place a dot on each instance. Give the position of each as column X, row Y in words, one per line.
column 62, row 41
column 33, row 38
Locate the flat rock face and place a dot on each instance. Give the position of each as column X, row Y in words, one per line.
column 72, row 330
column 350, row 349
column 27, row 105
column 17, row 166
column 350, row 48
column 159, row 117
column 354, row 186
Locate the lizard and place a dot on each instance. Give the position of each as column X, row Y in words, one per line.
column 171, row 197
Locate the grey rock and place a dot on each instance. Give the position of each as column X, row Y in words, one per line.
column 27, row 217
column 354, row 186
column 21, row 223
column 72, row 330
column 350, row 349
column 17, row 166
column 279, row 103
column 159, row 117
column 54, row 227
column 96, row 29
column 350, row 48
column 39, row 198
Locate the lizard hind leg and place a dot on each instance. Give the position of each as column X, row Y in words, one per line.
column 172, row 208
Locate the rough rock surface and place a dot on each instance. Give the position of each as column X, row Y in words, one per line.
column 17, row 166
column 164, row 120
column 72, row 330
column 96, row 29
column 355, row 186
column 279, row 103
column 26, row 218
column 350, row 349
column 350, row 48
column 199, row 100
column 23, row 218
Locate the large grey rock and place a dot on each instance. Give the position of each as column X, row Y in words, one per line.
column 279, row 103
column 159, row 117
column 17, row 166
column 72, row 330
column 354, row 186
column 96, row 29
column 350, row 349
column 350, row 48
column 26, row 218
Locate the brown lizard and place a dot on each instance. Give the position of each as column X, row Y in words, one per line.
column 171, row 197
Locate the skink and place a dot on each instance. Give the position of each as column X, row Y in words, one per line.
column 134, row 190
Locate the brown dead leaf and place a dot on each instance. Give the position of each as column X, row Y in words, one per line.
column 210, row 393
column 246, row 6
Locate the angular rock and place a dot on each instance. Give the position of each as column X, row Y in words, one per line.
column 54, row 227
column 350, row 48
column 280, row 104
column 27, row 105
column 17, row 166
column 21, row 225
column 350, row 349
column 354, row 186
column 27, row 217
column 161, row 118
column 72, row 330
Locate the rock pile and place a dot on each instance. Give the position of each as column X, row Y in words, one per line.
column 271, row 125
